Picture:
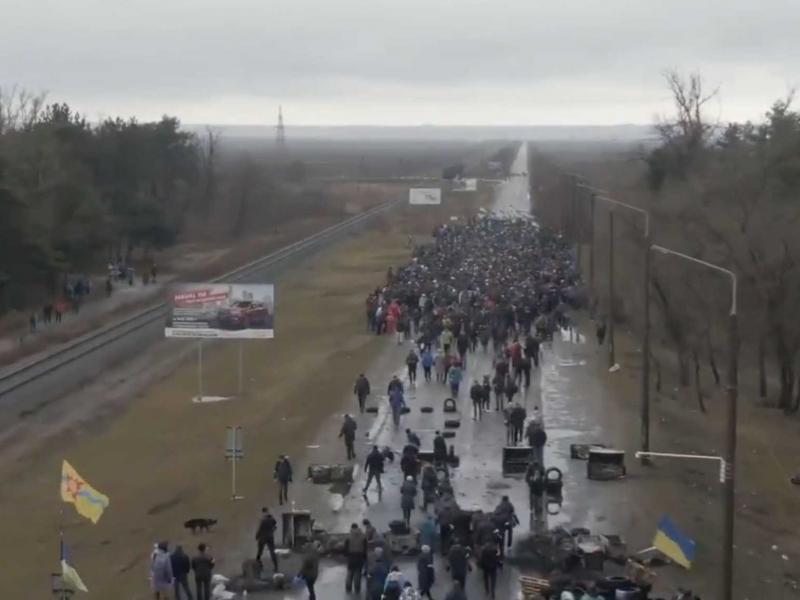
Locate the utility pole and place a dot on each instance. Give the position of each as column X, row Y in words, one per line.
column 611, row 358
column 730, row 451
column 280, row 132
column 591, row 248
column 578, row 224
column 645, row 408
column 729, row 474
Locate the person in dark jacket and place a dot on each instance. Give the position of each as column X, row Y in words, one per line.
column 458, row 563
column 394, row 384
column 374, row 469
column 476, row 394
column 203, row 567
column 439, row 449
column 181, row 565
column 429, row 483
column 309, row 571
column 409, row 463
column 516, row 419
column 499, row 384
column 408, row 491
column 532, row 349
column 507, row 516
column 376, row 576
column 413, row 438
column 426, row 574
column 487, row 392
column 361, row 390
column 535, row 478
column 412, row 360
column 537, row 438
column 265, row 537
column 489, row 562
column 355, row 550
column 348, row 432
column 283, row 475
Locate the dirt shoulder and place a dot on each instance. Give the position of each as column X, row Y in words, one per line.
column 160, row 458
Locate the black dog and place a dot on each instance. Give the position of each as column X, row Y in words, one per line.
column 200, row 524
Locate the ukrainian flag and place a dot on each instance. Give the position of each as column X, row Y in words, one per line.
column 674, row 544
column 68, row 572
column 88, row 501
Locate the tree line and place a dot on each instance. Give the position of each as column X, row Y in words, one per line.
column 725, row 193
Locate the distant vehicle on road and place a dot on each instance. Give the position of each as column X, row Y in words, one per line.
column 245, row 314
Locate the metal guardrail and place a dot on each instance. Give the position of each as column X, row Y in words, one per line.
column 90, row 342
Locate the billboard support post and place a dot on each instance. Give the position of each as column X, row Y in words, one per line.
column 241, row 368
column 200, row 371
column 234, row 451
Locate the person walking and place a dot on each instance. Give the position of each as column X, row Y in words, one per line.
column 394, row 384
column 439, row 367
column 458, row 563
column 455, row 377
column 355, row 549
column 525, row 367
column 516, row 419
column 446, row 340
column 361, row 390
column 348, row 432
column 413, row 439
column 408, row 491
column 537, row 438
column 428, row 484
column 535, row 478
column 489, row 562
column 499, row 384
column 376, row 575
column 426, row 574
column 506, row 516
column 427, row 363
column 409, row 463
column 181, row 566
column 283, row 475
column 412, row 360
column 265, row 537
column 397, row 403
column 487, row 393
column 161, row 576
column 532, row 349
column 309, row 571
column 427, row 532
column 439, row 450
column 374, row 469
column 476, row 394
column 203, row 567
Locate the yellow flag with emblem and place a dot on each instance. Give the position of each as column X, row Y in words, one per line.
column 74, row 489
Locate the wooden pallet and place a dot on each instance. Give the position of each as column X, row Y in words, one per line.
column 533, row 588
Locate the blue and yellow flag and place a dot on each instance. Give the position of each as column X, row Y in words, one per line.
column 68, row 572
column 88, row 501
column 670, row 541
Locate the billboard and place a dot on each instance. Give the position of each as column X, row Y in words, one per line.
column 424, row 196
column 465, row 185
column 221, row 311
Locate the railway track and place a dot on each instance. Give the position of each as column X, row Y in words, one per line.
column 76, row 362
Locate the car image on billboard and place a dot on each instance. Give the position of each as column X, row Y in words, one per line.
column 221, row 310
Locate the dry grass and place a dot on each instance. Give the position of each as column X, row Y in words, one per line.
column 160, row 460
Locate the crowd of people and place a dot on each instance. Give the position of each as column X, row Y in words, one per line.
column 490, row 285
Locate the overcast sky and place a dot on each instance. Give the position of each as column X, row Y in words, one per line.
column 404, row 62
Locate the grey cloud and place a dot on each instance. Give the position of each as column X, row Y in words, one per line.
column 180, row 51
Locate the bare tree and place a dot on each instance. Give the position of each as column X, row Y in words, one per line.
column 209, row 156
column 19, row 108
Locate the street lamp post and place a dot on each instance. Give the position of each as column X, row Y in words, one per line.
column 729, row 500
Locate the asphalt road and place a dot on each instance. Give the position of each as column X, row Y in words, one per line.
column 577, row 408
